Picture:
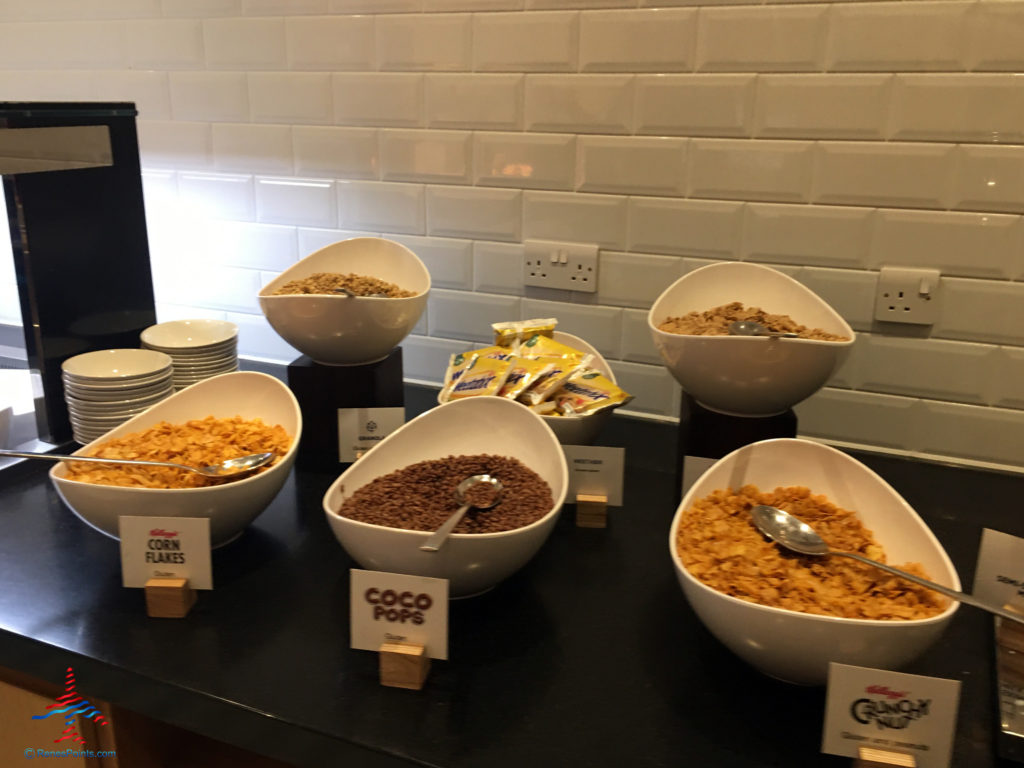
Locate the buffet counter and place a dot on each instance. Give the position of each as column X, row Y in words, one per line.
column 588, row 656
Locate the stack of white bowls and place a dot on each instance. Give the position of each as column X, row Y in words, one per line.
column 105, row 388
column 198, row 349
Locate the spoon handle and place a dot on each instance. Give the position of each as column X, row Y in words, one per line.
column 60, row 457
column 963, row 597
column 438, row 537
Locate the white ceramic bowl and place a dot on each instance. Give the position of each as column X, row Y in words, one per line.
column 742, row 375
column 472, row 563
column 347, row 330
column 120, row 365
column 187, row 335
column 230, row 507
column 797, row 647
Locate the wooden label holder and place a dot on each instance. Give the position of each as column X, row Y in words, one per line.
column 870, row 757
column 169, row 598
column 591, row 510
column 403, row 665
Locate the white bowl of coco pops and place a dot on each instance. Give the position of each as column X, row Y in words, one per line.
column 790, row 615
column 747, row 375
column 349, row 303
column 214, row 420
column 387, row 504
column 555, row 374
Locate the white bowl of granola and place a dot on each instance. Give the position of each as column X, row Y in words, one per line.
column 339, row 329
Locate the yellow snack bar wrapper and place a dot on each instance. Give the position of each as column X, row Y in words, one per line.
column 525, row 371
column 484, row 377
column 541, row 346
column 589, row 391
column 552, row 381
column 547, row 408
column 496, row 352
column 518, row 330
column 457, row 365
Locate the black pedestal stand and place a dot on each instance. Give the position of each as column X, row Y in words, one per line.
column 706, row 436
column 324, row 391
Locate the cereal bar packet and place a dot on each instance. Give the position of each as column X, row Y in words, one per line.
column 589, row 391
column 525, row 371
column 497, row 352
column 542, row 346
column 519, row 330
column 485, row 376
column 552, row 381
column 457, row 365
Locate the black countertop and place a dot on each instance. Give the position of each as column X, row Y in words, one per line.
column 590, row 655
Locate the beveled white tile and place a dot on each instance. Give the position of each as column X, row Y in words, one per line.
column 299, row 202
column 231, row 289
column 201, row 8
column 462, row 315
column 996, row 37
column 164, row 44
column 283, row 7
column 601, row 327
column 258, row 340
column 654, row 40
column 481, row 101
column 210, row 96
column 62, row 44
column 378, row 98
column 779, row 38
column 575, row 218
column 930, row 368
column 498, row 267
column 1006, row 378
column 48, row 85
column 962, row 108
column 637, row 342
column 652, row 386
column 426, row 156
column 525, row 42
column 535, row 5
column 821, row 106
column 433, row 6
column 524, row 160
column 175, row 144
column 313, row 239
column 150, row 91
column 245, row 43
column 217, row 195
column 449, row 261
column 850, row 292
column 579, row 103
column 744, row 170
column 330, row 43
column 255, row 246
column 866, row 173
column 981, row 310
column 474, row 212
column 958, row 244
column 632, row 165
column 254, row 148
column 168, row 312
column 898, row 36
column 695, row 105
column 290, row 97
column 635, row 280
column 345, row 153
column 988, row 178
column 703, row 228
column 994, row 435
column 866, row 418
column 374, row 206
column 438, row 42
column 426, row 359
column 375, row 6
column 816, row 235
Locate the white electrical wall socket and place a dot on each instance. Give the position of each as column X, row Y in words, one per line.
column 567, row 266
column 907, row 295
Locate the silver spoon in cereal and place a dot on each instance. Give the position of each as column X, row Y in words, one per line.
column 796, row 535
column 477, row 491
column 754, row 328
column 232, row 468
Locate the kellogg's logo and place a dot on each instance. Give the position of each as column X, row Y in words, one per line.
column 893, row 709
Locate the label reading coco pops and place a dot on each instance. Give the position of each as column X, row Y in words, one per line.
column 396, row 608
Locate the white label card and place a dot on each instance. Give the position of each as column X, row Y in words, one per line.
column 893, row 711
column 999, row 577
column 165, row 548
column 597, row 470
column 395, row 608
column 359, row 429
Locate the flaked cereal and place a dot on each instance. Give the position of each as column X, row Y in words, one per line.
column 715, row 322
column 329, row 282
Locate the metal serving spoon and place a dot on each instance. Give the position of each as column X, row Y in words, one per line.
column 230, row 468
column 796, row 535
column 353, row 294
column 440, row 536
column 754, row 328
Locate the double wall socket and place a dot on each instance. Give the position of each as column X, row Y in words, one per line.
column 907, row 295
column 567, row 266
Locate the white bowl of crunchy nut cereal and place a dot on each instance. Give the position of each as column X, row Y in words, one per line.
column 747, row 375
column 387, row 288
column 226, row 416
column 791, row 615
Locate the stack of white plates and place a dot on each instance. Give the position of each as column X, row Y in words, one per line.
column 198, row 349
column 103, row 389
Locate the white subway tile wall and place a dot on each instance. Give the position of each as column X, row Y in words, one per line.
column 824, row 139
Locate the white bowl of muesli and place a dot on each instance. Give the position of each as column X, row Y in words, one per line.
column 747, row 375
column 349, row 303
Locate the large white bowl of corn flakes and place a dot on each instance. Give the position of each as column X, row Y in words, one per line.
column 791, row 615
column 223, row 417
